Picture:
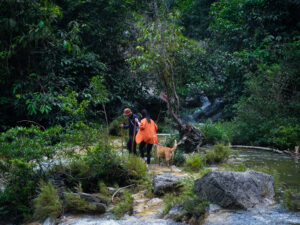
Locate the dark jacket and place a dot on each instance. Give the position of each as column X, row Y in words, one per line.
column 130, row 124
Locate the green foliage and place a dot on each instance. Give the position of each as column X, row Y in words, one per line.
column 20, row 189
column 124, row 205
column 193, row 163
column 238, row 167
column 114, row 126
column 76, row 204
column 72, row 106
column 47, row 203
column 188, row 199
column 219, row 154
column 217, row 132
column 28, row 143
column 179, row 158
column 137, row 170
column 288, row 199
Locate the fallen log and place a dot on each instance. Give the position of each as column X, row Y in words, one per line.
column 265, row 148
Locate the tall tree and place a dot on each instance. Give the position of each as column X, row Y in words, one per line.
column 158, row 38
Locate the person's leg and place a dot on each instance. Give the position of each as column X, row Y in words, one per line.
column 129, row 145
column 134, row 147
column 141, row 148
column 149, row 147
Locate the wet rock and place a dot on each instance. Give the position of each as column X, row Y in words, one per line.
column 235, row 189
column 93, row 198
column 176, row 213
column 154, row 202
column 295, row 200
column 50, row 221
column 165, row 183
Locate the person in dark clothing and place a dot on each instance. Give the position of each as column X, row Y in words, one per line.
column 131, row 121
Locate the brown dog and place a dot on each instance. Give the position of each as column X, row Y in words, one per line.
column 166, row 152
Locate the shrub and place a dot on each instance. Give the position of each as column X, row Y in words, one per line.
column 219, row 154
column 125, row 205
column 114, row 126
column 287, row 200
column 20, row 189
column 47, row 203
column 179, row 158
column 217, row 132
column 193, row 163
column 137, row 170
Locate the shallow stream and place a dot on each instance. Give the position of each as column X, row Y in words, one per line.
column 288, row 172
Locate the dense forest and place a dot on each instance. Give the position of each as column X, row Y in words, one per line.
column 70, row 67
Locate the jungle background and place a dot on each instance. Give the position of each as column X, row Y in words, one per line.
column 69, row 68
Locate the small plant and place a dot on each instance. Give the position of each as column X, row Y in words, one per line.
column 137, row 170
column 219, row 154
column 193, row 163
column 238, row 167
column 288, row 200
column 125, row 205
column 47, row 203
column 179, row 158
column 114, row 126
column 192, row 205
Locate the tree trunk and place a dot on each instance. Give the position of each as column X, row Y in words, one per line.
column 191, row 138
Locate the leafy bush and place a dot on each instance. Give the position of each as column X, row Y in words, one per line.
column 137, row 170
column 193, row 163
column 287, row 199
column 114, row 126
column 179, row 158
column 217, row 132
column 124, row 205
column 27, row 143
column 219, row 154
column 20, row 189
column 47, row 203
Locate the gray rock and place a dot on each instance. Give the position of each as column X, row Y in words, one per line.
column 176, row 213
column 295, row 200
column 235, row 189
column 92, row 198
column 165, row 183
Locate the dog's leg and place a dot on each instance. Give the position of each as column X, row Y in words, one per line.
column 158, row 160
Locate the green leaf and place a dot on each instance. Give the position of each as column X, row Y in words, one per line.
column 67, row 45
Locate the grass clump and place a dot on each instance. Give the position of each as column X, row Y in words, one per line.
column 179, row 158
column 188, row 200
column 47, row 203
column 124, row 205
column 288, row 200
column 193, row 163
column 217, row 132
column 219, row 154
column 137, row 170
column 75, row 204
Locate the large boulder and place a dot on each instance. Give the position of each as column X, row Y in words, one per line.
column 165, row 183
column 235, row 189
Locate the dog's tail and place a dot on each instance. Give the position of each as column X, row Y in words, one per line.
column 174, row 146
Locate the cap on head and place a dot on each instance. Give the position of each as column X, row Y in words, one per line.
column 127, row 112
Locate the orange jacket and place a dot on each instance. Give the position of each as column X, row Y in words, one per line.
column 147, row 132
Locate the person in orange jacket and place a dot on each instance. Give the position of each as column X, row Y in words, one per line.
column 146, row 134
